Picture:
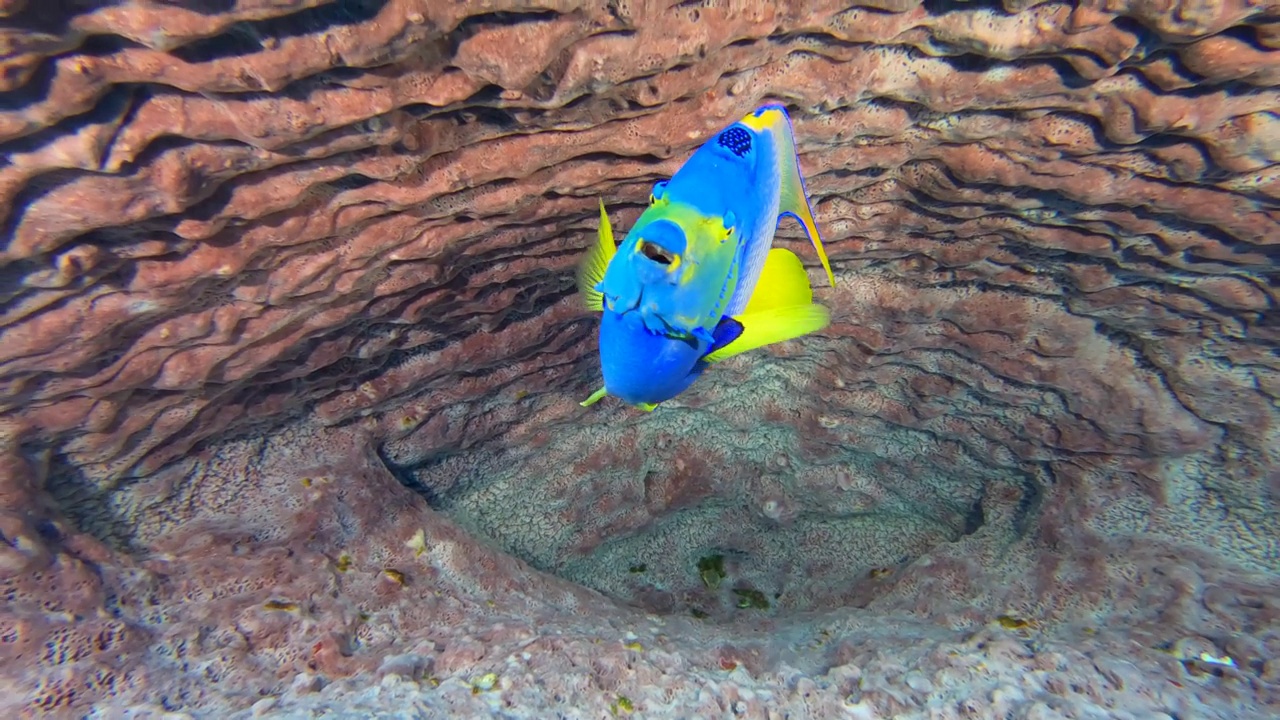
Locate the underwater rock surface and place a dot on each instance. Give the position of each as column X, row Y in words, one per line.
column 290, row 362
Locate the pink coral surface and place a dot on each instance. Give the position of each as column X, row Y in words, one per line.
column 290, row 363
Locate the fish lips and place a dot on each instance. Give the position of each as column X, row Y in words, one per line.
column 662, row 246
column 641, row 366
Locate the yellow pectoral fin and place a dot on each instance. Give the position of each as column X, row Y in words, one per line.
column 595, row 398
column 597, row 395
column 773, row 325
column 591, row 269
column 783, row 283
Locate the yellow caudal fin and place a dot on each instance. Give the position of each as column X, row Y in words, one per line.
column 591, row 269
column 783, row 283
column 781, row 308
column 773, row 325
column 793, row 200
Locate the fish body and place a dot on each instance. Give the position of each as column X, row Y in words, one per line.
column 684, row 289
column 696, row 253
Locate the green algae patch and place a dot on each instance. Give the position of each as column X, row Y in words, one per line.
column 751, row 599
column 711, row 570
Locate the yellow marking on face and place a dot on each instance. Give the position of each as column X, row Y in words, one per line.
column 708, row 235
column 766, row 120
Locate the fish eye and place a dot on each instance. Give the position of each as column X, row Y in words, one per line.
column 657, row 254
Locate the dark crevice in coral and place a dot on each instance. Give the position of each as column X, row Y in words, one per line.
column 337, row 76
column 247, row 37
column 941, row 8
column 1247, row 34
column 1055, row 201
column 36, row 189
column 471, row 115
column 616, row 32
column 1142, row 360
column 115, row 106
column 87, row 504
column 247, row 427
column 1202, row 87
column 1147, row 40
column 1061, row 395
column 968, row 62
column 205, row 7
column 12, row 288
column 104, row 45
column 354, row 181
column 496, row 117
column 475, row 23
column 1161, row 289
column 348, row 372
column 136, row 96
column 817, row 38
column 486, row 96
column 546, row 85
column 603, row 156
column 50, row 17
column 143, row 161
column 868, row 172
column 976, row 517
column 408, row 476
column 1033, row 493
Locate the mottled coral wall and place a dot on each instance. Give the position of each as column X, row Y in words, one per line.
column 1055, row 231
column 217, row 221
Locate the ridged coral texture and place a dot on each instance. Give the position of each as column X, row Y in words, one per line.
column 290, row 359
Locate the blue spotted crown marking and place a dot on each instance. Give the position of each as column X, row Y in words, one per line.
column 737, row 140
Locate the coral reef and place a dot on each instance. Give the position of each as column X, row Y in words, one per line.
column 290, row 363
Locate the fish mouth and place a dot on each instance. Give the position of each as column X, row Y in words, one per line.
column 657, row 253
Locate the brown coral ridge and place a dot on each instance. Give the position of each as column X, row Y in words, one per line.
column 286, row 293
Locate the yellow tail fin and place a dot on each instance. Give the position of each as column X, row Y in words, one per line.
column 773, row 325
column 783, row 283
column 781, row 308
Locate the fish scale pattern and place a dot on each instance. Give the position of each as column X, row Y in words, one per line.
column 737, row 140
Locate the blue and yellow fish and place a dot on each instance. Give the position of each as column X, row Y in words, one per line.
column 697, row 280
